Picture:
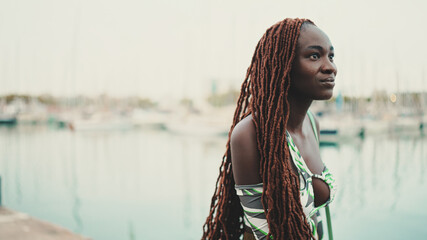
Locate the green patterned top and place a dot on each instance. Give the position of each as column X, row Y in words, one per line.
column 250, row 195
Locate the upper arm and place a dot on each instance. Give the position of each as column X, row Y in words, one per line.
column 244, row 153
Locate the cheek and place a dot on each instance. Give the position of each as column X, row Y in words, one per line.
column 304, row 69
column 308, row 70
column 303, row 78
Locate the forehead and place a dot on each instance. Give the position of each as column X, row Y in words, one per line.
column 311, row 35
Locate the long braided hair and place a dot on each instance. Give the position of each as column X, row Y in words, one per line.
column 264, row 95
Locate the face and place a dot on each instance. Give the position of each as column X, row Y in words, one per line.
column 313, row 70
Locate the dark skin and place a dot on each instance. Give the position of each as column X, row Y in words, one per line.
column 312, row 78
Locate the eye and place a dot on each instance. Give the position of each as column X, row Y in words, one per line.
column 314, row 56
column 331, row 57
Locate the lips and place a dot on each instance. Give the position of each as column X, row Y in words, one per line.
column 329, row 79
column 328, row 82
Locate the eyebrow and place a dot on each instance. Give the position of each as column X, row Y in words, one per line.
column 320, row 48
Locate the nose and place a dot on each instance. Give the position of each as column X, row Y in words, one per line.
column 329, row 67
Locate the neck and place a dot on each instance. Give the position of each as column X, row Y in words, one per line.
column 298, row 110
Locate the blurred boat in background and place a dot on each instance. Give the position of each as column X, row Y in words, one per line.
column 141, row 118
column 8, row 113
column 7, row 119
column 100, row 121
column 339, row 127
column 407, row 123
column 210, row 122
column 97, row 124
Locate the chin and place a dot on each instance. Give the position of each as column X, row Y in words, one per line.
column 325, row 96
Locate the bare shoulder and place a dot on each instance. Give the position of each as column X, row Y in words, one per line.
column 244, row 153
column 244, row 133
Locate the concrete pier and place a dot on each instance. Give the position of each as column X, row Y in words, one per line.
column 20, row 226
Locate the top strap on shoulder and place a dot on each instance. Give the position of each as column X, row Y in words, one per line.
column 313, row 124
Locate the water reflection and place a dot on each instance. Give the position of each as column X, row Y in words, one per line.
column 374, row 166
column 131, row 185
column 74, row 188
column 131, row 231
column 187, row 212
column 422, row 159
column 396, row 177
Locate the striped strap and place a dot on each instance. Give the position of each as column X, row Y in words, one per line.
column 328, row 214
column 329, row 222
column 313, row 124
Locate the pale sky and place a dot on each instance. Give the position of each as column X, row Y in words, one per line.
column 171, row 49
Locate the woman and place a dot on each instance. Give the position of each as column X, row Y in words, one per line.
column 272, row 181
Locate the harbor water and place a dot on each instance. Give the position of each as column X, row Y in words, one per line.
column 153, row 184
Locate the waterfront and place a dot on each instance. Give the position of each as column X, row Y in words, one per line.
column 152, row 184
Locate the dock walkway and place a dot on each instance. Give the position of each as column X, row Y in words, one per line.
column 20, row 226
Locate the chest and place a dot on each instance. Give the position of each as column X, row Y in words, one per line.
column 307, row 162
column 309, row 150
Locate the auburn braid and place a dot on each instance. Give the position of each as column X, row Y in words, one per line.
column 264, row 94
